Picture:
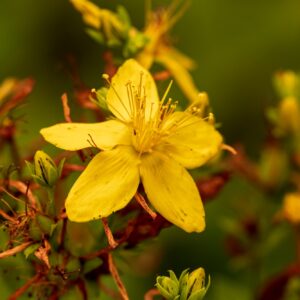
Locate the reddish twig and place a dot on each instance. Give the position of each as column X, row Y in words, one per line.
column 82, row 288
column 275, row 287
column 20, row 291
column 23, row 188
column 15, row 250
column 7, row 217
column 111, row 241
column 115, row 275
column 142, row 202
column 151, row 294
column 66, row 108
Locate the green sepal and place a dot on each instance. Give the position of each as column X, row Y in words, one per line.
column 60, row 166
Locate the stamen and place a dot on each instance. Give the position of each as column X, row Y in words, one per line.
column 166, row 92
column 91, row 141
column 106, row 78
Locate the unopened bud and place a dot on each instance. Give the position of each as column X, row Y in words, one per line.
column 44, row 171
column 168, row 286
column 196, row 285
column 189, row 286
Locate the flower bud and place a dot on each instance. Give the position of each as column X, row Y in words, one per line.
column 44, row 171
column 196, row 285
column 188, row 287
column 168, row 286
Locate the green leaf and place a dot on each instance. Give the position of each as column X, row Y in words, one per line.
column 31, row 249
column 95, row 35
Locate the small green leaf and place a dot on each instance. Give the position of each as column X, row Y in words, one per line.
column 95, row 35
column 31, row 249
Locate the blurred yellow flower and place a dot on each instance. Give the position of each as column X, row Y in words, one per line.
column 159, row 49
column 291, row 207
column 99, row 18
column 148, row 141
column 153, row 40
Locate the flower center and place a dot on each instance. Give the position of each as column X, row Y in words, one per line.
column 148, row 118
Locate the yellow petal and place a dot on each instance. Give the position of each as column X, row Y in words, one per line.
column 181, row 75
column 172, row 191
column 75, row 136
column 131, row 79
column 105, row 186
column 191, row 141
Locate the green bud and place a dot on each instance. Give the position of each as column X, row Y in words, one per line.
column 188, row 287
column 44, row 171
column 168, row 286
column 196, row 285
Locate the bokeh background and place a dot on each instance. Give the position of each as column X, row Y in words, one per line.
column 238, row 45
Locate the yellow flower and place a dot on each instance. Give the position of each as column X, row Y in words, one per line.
column 158, row 49
column 148, row 141
column 291, row 207
column 99, row 18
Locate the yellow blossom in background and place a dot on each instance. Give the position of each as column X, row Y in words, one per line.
column 159, row 49
column 291, row 207
column 147, row 141
column 286, row 117
column 100, row 19
column 152, row 44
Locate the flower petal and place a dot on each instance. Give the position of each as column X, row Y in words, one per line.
column 105, row 186
column 172, row 191
column 121, row 96
column 180, row 73
column 191, row 140
column 76, row 136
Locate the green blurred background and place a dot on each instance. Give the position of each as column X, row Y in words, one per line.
column 237, row 45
